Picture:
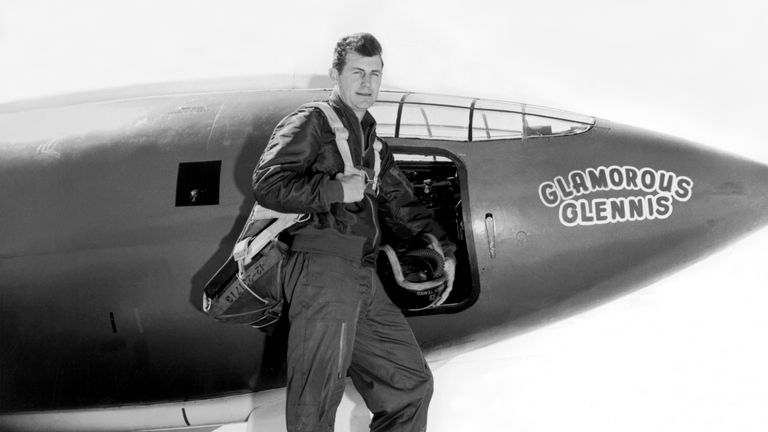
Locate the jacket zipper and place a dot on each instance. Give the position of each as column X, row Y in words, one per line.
column 342, row 345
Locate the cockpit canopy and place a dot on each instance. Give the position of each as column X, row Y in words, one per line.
column 415, row 115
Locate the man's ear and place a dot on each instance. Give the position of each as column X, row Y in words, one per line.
column 334, row 74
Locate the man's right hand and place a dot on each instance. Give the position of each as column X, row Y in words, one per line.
column 354, row 186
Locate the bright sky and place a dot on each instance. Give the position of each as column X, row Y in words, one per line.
column 683, row 354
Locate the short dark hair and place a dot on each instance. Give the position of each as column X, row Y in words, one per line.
column 362, row 43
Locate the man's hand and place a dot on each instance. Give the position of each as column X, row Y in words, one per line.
column 354, row 186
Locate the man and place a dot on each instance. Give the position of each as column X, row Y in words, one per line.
column 341, row 320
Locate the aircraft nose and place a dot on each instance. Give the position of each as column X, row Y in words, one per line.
column 691, row 192
column 619, row 207
column 729, row 194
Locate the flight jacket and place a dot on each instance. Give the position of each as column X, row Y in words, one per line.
column 296, row 174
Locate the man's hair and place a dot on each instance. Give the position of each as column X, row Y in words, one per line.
column 363, row 44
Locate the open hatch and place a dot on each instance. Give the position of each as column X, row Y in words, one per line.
column 438, row 182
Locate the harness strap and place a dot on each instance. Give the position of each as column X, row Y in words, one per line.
column 342, row 135
column 342, row 142
column 377, row 164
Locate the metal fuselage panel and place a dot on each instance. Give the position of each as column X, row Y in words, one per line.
column 102, row 273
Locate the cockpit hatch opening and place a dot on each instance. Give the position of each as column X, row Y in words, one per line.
column 439, row 182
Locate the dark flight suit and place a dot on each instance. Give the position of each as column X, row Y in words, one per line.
column 341, row 319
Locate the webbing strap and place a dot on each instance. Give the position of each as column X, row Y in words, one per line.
column 377, row 164
column 246, row 249
column 342, row 135
column 342, row 142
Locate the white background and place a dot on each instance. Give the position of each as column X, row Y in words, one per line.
column 687, row 353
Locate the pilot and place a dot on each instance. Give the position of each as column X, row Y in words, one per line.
column 341, row 320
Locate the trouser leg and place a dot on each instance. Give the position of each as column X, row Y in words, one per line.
column 324, row 305
column 388, row 367
column 342, row 320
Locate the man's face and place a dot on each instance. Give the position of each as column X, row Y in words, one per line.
column 359, row 81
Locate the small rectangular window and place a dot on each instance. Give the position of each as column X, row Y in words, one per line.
column 198, row 183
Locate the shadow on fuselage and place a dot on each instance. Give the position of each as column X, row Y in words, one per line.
column 271, row 373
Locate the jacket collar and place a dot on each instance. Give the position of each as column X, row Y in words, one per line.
column 336, row 102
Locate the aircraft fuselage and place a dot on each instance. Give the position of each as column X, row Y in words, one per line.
column 115, row 213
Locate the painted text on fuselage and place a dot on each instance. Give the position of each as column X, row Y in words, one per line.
column 657, row 191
